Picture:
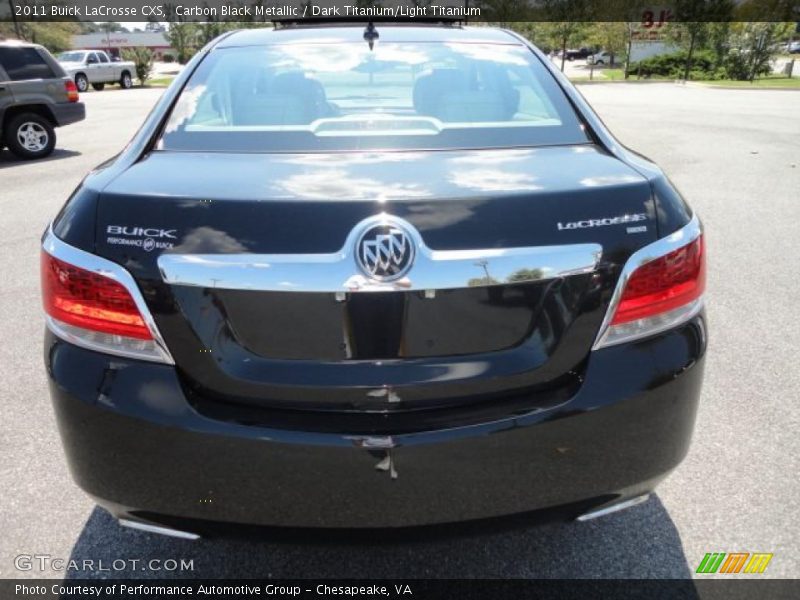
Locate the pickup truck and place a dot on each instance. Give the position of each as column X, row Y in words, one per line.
column 573, row 54
column 96, row 68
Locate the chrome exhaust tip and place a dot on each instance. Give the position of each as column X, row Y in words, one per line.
column 607, row 510
column 160, row 529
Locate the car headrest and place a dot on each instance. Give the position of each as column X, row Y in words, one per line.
column 297, row 82
column 448, row 94
column 472, row 107
column 290, row 98
column 498, row 81
column 431, row 87
column 270, row 109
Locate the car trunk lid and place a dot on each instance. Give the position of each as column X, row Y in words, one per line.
column 238, row 296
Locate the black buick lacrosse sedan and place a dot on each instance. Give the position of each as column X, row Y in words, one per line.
column 372, row 276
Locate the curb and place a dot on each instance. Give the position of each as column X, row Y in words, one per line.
column 694, row 84
column 633, row 81
column 699, row 84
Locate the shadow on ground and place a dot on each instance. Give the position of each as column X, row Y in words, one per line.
column 641, row 542
column 8, row 159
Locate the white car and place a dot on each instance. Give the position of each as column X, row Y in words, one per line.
column 599, row 58
column 96, row 68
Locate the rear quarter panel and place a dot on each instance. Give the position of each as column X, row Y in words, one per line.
column 120, row 67
column 6, row 97
column 39, row 91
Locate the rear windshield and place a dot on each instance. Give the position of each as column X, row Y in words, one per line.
column 306, row 97
column 72, row 56
column 23, row 63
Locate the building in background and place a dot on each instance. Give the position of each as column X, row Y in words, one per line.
column 114, row 43
column 649, row 36
column 642, row 49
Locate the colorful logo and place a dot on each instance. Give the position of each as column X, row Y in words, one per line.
column 734, row 562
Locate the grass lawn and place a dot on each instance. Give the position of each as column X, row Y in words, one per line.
column 606, row 75
column 159, row 81
column 764, row 82
column 614, row 74
column 771, row 81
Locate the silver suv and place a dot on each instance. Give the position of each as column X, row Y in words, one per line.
column 36, row 96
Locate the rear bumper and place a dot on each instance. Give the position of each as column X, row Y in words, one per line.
column 136, row 444
column 66, row 113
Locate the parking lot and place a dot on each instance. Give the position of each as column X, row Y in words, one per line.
column 735, row 154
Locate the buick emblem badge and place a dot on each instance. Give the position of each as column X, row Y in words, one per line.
column 385, row 251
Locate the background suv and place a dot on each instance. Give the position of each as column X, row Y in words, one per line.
column 36, row 96
column 599, row 58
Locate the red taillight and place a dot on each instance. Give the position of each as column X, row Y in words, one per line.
column 664, row 284
column 84, row 299
column 72, row 90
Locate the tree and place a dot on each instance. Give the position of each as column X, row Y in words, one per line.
column 566, row 24
column 13, row 18
column 719, row 41
column 56, row 36
column 693, row 24
column 482, row 281
column 213, row 29
column 611, row 36
column 182, row 35
column 693, row 34
column 536, row 32
column 112, row 27
column 142, row 59
column 774, row 11
column 504, row 13
column 525, row 275
column 753, row 48
column 566, row 33
column 630, row 28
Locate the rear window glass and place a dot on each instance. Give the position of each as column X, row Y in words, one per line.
column 24, row 63
column 304, row 97
column 72, row 56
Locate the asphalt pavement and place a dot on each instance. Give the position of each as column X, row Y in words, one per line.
column 735, row 154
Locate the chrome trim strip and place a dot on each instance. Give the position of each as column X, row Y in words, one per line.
column 91, row 262
column 160, row 529
column 601, row 512
column 338, row 272
column 685, row 235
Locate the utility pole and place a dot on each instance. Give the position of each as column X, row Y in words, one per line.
column 484, row 264
column 14, row 18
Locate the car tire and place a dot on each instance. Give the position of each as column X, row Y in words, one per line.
column 125, row 81
column 30, row 136
column 82, row 83
column 99, row 86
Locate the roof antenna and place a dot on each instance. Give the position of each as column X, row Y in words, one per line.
column 371, row 35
